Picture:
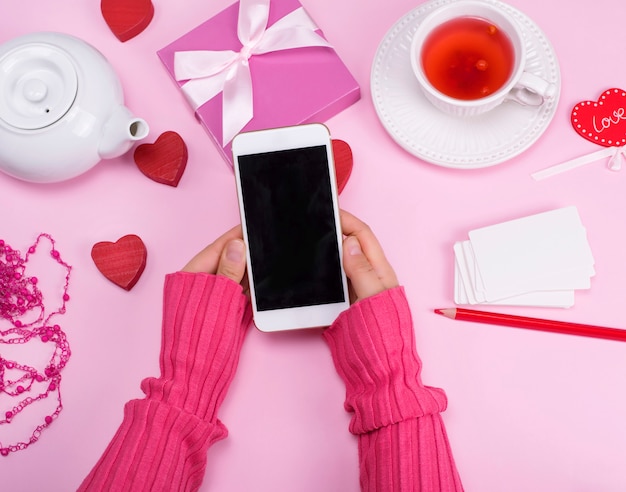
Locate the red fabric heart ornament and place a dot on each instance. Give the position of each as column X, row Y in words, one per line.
column 127, row 18
column 603, row 121
column 165, row 160
column 342, row 154
column 123, row 261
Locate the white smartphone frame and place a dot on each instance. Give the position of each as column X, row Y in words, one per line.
column 274, row 140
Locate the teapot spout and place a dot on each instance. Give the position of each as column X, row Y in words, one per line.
column 120, row 132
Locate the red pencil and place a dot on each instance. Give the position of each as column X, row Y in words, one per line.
column 533, row 323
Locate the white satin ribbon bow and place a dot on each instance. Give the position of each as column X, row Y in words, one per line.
column 211, row 72
column 617, row 157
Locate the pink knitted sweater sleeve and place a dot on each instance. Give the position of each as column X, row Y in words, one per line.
column 163, row 440
column 403, row 444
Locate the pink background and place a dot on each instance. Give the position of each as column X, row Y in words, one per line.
column 527, row 410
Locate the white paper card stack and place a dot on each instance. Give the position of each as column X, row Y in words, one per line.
column 540, row 260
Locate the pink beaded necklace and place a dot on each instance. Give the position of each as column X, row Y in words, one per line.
column 23, row 384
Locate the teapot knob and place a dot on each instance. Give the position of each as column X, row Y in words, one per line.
column 38, row 86
column 35, row 90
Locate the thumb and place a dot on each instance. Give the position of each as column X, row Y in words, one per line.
column 232, row 262
column 364, row 279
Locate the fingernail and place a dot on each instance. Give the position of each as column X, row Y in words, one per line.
column 353, row 245
column 234, row 251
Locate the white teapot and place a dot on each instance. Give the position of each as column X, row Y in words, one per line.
column 61, row 108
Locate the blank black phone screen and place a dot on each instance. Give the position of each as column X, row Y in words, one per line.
column 292, row 237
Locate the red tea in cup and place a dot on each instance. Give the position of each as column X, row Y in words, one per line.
column 467, row 58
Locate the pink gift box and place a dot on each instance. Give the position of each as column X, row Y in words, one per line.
column 290, row 87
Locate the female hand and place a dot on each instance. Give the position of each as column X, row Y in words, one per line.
column 364, row 260
column 225, row 256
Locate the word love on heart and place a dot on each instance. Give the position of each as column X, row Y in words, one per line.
column 602, row 122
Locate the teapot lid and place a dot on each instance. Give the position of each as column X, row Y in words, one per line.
column 38, row 85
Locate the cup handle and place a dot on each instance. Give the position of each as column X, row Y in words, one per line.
column 531, row 90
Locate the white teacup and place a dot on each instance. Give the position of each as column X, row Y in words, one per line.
column 521, row 86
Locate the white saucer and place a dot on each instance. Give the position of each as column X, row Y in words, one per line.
column 442, row 139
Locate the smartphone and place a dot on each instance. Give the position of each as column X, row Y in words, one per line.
column 287, row 194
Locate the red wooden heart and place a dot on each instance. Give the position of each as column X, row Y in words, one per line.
column 165, row 160
column 343, row 163
column 603, row 121
column 127, row 18
column 123, row 261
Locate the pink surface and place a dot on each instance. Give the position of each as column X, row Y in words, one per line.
column 527, row 410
